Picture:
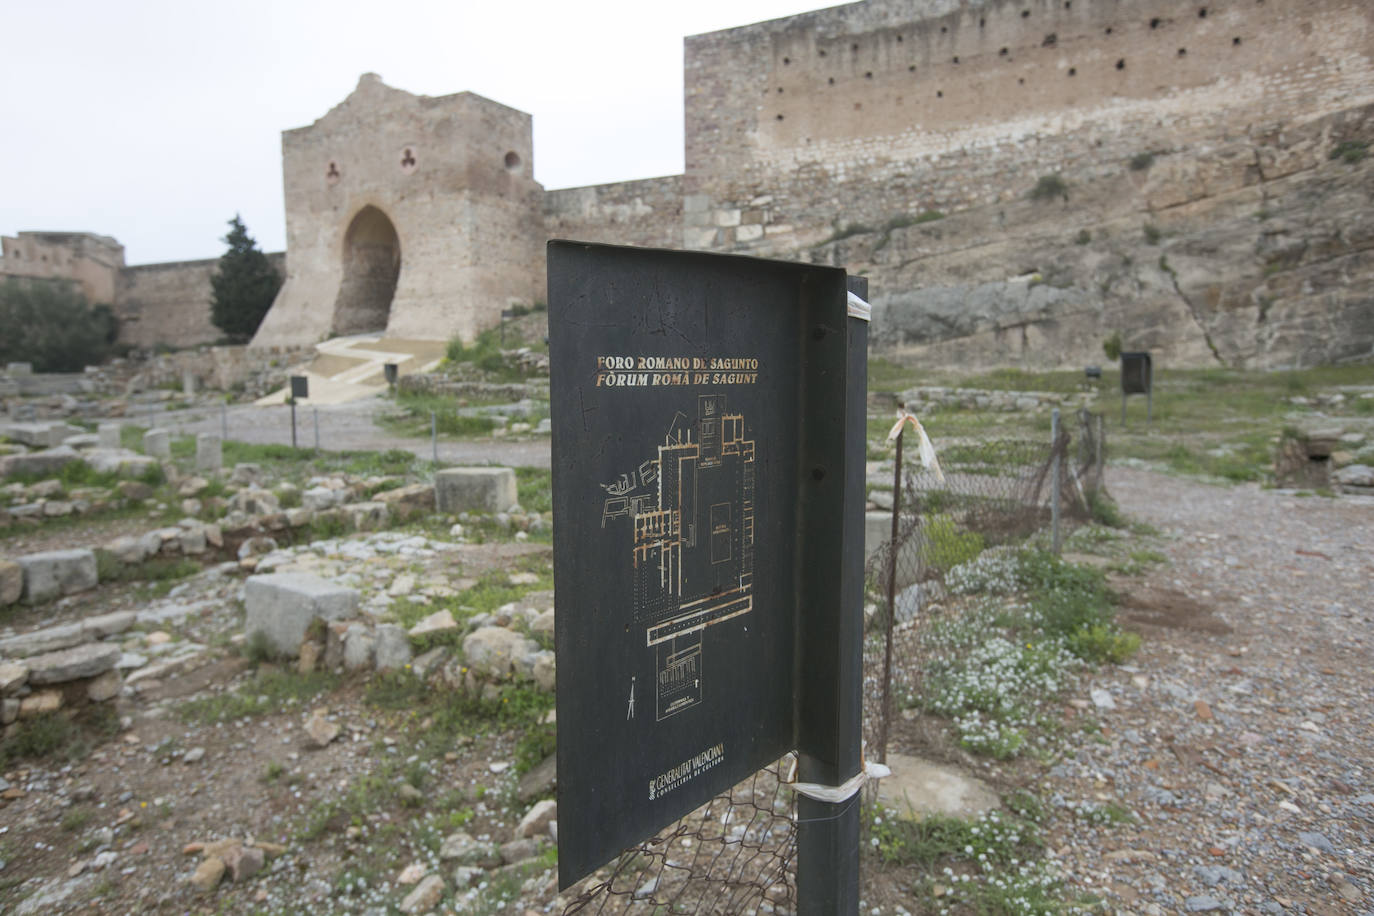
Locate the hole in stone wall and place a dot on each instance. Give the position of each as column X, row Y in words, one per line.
column 1109, row 30
column 512, row 161
column 956, row 58
column 854, row 47
column 1002, row 52
column 1050, row 40
column 939, row 93
column 1020, row 81
column 1154, row 23
column 786, row 61
column 1235, row 41
column 1182, row 52
column 911, row 69
column 1073, row 71
column 1121, row 64
column 868, row 74
column 779, row 90
column 821, row 52
column 899, row 39
column 944, row 29
column 779, row 117
column 1025, row 14
column 832, row 80
column 982, row 22
column 408, row 159
column 1202, row 13
column 1068, row 4
column 331, row 174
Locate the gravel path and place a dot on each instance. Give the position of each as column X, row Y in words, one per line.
column 350, row 426
column 1242, row 735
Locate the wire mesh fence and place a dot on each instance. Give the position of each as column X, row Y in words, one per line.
column 734, row 855
column 986, row 493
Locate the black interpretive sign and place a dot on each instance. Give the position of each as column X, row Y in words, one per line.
column 300, row 387
column 1137, row 372
column 680, row 385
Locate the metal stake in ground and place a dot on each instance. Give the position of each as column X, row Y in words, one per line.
column 434, row 436
column 223, row 422
column 885, row 717
column 1055, row 464
column 317, row 427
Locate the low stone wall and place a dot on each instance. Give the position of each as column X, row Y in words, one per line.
column 932, row 396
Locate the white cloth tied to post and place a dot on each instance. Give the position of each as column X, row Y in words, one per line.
column 844, row 791
column 860, row 309
column 928, row 459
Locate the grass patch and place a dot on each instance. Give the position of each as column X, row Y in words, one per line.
column 988, row 865
column 59, row 737
column 155, row 569
column 270, row 691
column 534, row 489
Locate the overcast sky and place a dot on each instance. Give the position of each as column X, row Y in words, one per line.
column 154, row 121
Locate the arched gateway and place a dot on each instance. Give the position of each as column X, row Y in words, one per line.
column 371, row 266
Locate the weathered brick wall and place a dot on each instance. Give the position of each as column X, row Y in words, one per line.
column 169, row 303
column 860, row 114
column 646, row 212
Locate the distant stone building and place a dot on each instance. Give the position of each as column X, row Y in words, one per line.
column 156, row 304
column 1201, row 173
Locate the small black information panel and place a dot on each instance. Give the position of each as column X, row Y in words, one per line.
column 300, row 387
column 679, row 385
column 1137, row 372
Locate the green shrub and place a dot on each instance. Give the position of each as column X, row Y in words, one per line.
column 1083, row 237
column 48, row 323
column 1103, row 642
column 1111, row 347
column 1050, row 187
column 1152, row 234
column 1351, row 151
column 1142, row 161
column 945, row 545
column 1105, row 510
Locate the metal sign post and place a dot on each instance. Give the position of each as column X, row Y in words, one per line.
column 708, row 473
column 300, row 389
column 830, row 698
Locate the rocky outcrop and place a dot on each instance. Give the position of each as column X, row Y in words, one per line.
column 1253, row 253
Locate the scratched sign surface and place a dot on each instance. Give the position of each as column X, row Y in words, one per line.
column 675, row 391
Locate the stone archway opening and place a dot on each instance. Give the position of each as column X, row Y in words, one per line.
column 371, row 265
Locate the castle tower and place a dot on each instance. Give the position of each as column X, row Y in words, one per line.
column 412, row 215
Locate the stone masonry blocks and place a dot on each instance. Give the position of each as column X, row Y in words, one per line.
column 282, row 605
column 56, row 573
column 475, row 490
column 209, row 452
column 109, row 435
column 157, row 443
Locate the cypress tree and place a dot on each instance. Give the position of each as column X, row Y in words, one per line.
column 244, row 285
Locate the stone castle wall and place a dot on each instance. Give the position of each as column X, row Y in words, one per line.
column 646, row 213
column 862, row 115
column 169, row 303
